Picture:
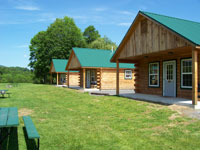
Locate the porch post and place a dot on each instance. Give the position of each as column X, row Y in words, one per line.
column 68, row 78
column 51, row 78
column 57, row 79
column 83, row 78
column 194, row 76
column 117, row 78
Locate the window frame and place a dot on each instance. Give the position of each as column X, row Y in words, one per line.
column 128, row 78
column 181, row 74
column 158, row 85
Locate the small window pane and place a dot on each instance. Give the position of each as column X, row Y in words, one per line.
column 186, row 73
column 153, row 79
column 154, row 74
column 128, row 74
column 187, row 80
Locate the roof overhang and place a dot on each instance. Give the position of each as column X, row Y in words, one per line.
column 50, row 71
column 131, row 29
column 73, row 62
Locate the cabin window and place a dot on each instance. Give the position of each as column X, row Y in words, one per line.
column 128, row 74
column 186, row 73
column 93, row 74
column 154, row 74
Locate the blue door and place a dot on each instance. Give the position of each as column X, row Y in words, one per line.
column 169, row 78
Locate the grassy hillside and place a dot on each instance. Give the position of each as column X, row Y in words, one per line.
column 15, row 75
column 69, row 120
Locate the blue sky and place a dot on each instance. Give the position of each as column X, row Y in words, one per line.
column 20, row 20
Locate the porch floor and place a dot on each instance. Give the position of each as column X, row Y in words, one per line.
column 160, row 99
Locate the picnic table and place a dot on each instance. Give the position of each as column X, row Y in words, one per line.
column 8, row 119
column 3, row 92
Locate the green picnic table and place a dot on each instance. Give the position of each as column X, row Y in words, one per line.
column 3, row 92
column 8, row 119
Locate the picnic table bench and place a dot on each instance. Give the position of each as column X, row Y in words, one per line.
column 9, row 119
column 31, row 130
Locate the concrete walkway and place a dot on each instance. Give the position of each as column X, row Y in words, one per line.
column 102, row 92
column 160, row 99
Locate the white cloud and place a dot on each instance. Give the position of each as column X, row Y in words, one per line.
column 23, row 46
column 100, row 9
column 126, row 24
column 143, row 7
column 25, row 56
column 126, row 13
column 27, row 7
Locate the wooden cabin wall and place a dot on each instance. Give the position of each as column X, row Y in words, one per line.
column 149, row 37
column 74, row 79
column 108, row 79
column 142, row 79
column 74, row 62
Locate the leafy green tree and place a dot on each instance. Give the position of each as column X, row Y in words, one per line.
column 91, row 34
column 103, row 43
column 39, row 56
column 56, row 42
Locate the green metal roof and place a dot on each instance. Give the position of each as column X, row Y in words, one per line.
column 187, row 29
column 60, row 65
column 97, row 58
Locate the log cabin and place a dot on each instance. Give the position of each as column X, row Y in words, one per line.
column 58, row 68
column 96, row 70
column 165, row 51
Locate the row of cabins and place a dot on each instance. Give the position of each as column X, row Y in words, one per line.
column 91, row 68
column 164, row 51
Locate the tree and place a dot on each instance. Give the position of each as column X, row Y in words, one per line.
column 103, row 43
column 56, row 42
column 39, row 56
column 90, row 34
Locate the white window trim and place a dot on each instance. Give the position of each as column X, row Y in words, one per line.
column 126, row 73
column 185, row 87
column 157, row 63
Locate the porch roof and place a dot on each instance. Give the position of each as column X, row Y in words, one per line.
column 60, row 64
column 190, row 30
column 97, row 58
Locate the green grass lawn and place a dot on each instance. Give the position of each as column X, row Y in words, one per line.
column 69, row 120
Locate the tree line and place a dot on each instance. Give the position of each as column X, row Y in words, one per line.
column 57, row 42
column 15, row 75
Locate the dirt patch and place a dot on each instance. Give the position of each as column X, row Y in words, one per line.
column 173, row 116
column 25, row 112
column 41, row 120
column 185, row 111
column 158, row 128
column 155, row 106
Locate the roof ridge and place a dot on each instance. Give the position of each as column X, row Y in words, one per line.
column 170, row 17
column 58, row 59
column 93, row 49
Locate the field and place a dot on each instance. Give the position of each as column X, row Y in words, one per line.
column 69, row 120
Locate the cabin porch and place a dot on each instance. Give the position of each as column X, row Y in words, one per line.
column 60, row 78
column 169, row 74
